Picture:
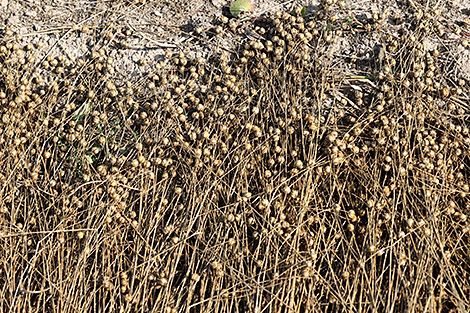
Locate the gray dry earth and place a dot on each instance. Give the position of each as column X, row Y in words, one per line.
column 168, row 25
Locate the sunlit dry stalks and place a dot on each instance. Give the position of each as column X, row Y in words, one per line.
column 209, row 184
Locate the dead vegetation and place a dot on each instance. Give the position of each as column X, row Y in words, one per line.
column 259, row 182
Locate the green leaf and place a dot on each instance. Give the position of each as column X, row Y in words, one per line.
column 303, row 11
column 88, row 159
column 241, row 6
column 85, row 108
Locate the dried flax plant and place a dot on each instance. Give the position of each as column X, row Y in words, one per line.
column 261, row 181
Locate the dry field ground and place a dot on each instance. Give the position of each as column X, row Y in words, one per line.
column 163, row 156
